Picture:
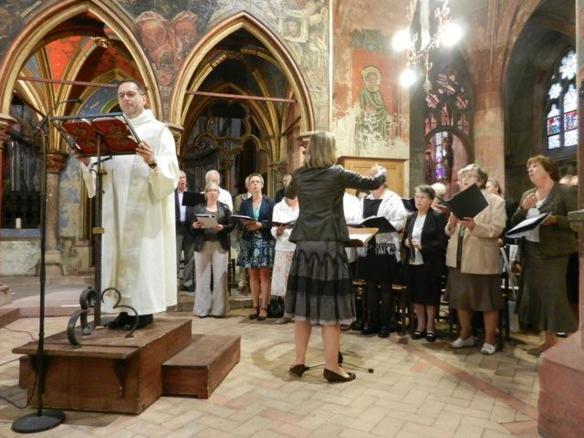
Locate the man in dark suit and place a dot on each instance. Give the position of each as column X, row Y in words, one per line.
column 285, row 182
column 184, row 235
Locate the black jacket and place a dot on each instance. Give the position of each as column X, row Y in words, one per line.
column 265, row 217
column 223, row 217
column 320, row 195
column 433, row 242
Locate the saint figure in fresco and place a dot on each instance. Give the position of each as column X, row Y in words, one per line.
column 373, row 121
column 294, row 31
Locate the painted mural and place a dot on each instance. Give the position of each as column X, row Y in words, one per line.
column 12, row 16
column 170, row 30
column 375, row 100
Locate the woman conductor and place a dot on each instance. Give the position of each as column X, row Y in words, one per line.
column 319, row 285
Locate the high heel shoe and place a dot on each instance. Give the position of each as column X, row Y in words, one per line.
column 333, row 377
column 263, row 313
column 254, row 313
column 298, row 370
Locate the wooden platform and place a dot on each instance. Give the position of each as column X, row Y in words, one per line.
column 8, row 315
column 109, row 373
column 198, row 369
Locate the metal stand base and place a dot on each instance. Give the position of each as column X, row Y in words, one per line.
column 37, row 423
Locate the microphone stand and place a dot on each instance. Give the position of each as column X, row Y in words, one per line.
column 43, row 419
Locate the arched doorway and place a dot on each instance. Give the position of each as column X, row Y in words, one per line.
column 66, row 60
column 242, row 103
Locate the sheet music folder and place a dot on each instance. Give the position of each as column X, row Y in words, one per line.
column 119, row 138
column 378, row 222
column 359, row 237
column 526, row 226
column 190, row 199
column 467, row 203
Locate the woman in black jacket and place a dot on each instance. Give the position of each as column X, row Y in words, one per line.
column 425, row 244
column 211, row 254
column 319, row 284
column 257, row 245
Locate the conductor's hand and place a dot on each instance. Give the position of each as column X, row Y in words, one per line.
column 197, row 225
column 145, row 151
column 218, row 228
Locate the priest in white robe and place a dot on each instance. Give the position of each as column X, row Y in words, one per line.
column 139, row 243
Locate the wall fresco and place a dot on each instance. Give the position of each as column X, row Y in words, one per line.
column 170, row 30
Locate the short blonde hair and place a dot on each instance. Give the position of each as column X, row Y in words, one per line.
column 211, row 185
column 478, row 171
column 259, row 175
column 322, row 150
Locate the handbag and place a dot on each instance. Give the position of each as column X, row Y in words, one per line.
column 276, row 307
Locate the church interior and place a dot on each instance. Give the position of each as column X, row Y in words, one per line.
column 241, row 84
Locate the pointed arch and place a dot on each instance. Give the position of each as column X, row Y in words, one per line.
column 26, row 42
column 242, row 20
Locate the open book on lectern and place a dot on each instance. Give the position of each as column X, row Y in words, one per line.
column 86, row 131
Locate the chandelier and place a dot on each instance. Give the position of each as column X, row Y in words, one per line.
column 429, row 28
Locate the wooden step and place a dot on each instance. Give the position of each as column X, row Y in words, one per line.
column 198, row 369
column 8, row 315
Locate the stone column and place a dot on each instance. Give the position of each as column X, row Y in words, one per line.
column 561, row 370
column 177, row 132
column 5, row 123
column 489, row 129
column 53, row 258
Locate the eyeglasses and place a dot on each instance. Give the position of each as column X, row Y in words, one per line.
column 130, row 94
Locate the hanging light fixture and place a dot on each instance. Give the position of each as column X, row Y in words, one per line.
column 418, row 40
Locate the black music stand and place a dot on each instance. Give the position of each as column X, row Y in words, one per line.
column 43, row 419
column 358, row 237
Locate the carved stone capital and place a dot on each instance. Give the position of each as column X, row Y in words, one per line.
column 6, row 121
column 56, row 161
column 177, row 132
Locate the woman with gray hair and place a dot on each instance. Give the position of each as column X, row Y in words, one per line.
column 472, row 258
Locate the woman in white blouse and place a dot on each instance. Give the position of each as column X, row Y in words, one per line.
column 425, row 244
column 285, row 212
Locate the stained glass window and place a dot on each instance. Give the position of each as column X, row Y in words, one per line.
column 562, row 105
column 448, row 115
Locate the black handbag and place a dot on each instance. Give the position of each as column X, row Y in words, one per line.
column 276, row 307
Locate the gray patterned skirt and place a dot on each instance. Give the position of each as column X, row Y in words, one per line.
column 320, row 288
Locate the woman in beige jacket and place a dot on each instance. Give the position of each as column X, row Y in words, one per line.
column 472, row 258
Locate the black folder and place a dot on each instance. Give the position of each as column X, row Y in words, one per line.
column 468, row 203
column 409, row 204
column 525, row 226
column 190, row 199
column 379, row 222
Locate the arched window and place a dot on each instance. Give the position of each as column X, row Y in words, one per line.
column 447, row 126
column 562, row 106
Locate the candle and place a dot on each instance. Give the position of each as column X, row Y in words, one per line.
column 18, row 224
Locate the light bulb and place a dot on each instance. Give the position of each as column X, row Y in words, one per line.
column 451, row 34
column 401, row 40
column 407, row 77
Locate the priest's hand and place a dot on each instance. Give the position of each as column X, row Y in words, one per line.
column 145, row 151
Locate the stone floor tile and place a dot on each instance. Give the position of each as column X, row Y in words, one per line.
column 388, row 427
